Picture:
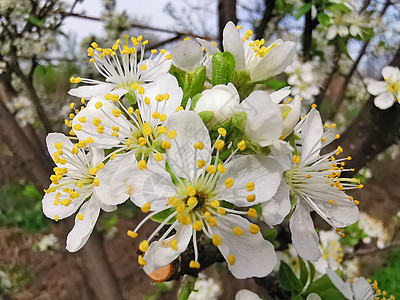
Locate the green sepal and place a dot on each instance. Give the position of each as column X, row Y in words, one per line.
column 198, row 79
column 194, row 101
column 239, row 121
column 206, row 116
column 287, row 279
column 270, row 234
column 131, row 97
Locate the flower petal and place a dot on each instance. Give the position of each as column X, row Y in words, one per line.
column 384, row 100
column 51, row 207
column 279, row 95
column 182, row 156
column 89, row 91
column 263, row 171
column 187, row 55
column 376, row 87
column 362, row 289
column 163, row 84
column 232, row 42
column 152, row 185
column 304, row 237
column 254, row 256
column 155, row 67
column 103, row 140
column 246, row 295
column 311, row 135
column 276, row 209
column 343, row 287
column 292, row 117
column 223, row 100
column 79, row 235
column 264, row 119
column 274, row 62
column 161, row 254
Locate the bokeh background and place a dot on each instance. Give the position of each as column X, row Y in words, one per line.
column 43, row 43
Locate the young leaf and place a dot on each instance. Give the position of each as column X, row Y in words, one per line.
column 198, row 79
column 339, row 6
column 303, row 272
column 342, row 45
column 325, row 288
column 312, row 271
column 287, row 279
column 303, row 10
column 230, row 61
column 324, row 19
column 220, row 69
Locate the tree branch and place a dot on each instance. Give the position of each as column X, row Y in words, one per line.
column 269, row 7
column 226, row 13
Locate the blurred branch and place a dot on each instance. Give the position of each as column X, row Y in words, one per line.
column 269, row 7
column 309, row 26
column 372, row 132
column 370, row 251
column 226, row 13
column 342, row 93
column 66, row 14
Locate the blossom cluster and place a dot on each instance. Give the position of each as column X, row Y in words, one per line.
column 190, row 136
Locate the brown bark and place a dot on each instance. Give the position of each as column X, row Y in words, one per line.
column 226, row 13
column 269, row 7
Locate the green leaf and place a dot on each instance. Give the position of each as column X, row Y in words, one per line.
column 296, row 297
column 325, row 289
column 275, row 84
column 302, row 10
column 220, row 69
column 339, row 6
column 131, row 97
column 303, row 272
column 268, row 234
column 36, row 21
column 287, row 279
column 324, row 19
column 342, row 45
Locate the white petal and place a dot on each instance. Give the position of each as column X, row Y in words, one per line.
column 279, row 95
column 340, row 285
column 164, row 83
column 291, row 119
column 264, row 171
column 108, row 120
column 384, row 100
column 390, row 71
column 51, row 210
column 255, row 257
column 232, row 42
column 264, row 118
column 106, row 192
column 152, row 185
column 276, row 209
column 187, row 55
column 246, row 295
column 376, row 87
column 362, row 289
column 79, row 235
column 190, row 129
column 274, row 62
column 89, row 91
column 304, row 237
column 223, row 100
column 311, row 135
column 332, row 32
column 210, row 48
column 161, row 254
column 54, row 138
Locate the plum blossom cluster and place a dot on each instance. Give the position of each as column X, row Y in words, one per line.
column 188, row 136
